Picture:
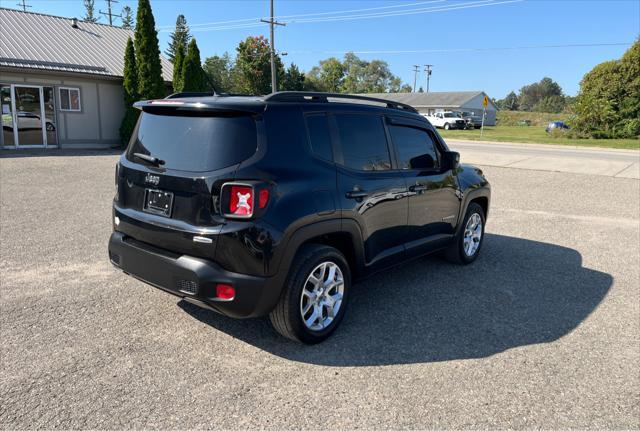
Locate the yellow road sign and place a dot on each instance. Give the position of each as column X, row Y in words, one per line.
column 485, row 102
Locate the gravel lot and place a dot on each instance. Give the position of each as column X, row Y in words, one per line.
column 542, row 331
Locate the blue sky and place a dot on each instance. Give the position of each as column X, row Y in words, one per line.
column 463, row 28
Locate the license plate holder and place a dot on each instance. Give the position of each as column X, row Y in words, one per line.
column 158, row 202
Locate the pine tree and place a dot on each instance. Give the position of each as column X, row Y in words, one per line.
column 178, row 65
column 127, row 18
column 130, row 86
column 89, row 6
column 179, row 37
column 150, row 82
column 192, row 74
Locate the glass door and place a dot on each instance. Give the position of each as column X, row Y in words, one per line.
column 28, row 115
column 50, row 124
column 7, row 116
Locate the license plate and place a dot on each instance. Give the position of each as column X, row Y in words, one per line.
column 158, row 202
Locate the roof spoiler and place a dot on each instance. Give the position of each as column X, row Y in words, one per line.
column 318, row 97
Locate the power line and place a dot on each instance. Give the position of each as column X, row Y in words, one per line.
column 23, row 4
column 108, row 13
column 272, row 23
column 445, row 8
column 207, row 24
column 455, row 50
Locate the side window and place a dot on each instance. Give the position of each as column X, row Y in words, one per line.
column 364, row 142
column 415, row 148
column 319, row 136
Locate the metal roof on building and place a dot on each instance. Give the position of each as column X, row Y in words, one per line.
column 31, row 40
column 448, row 99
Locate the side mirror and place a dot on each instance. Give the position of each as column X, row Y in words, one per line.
column 451, row 160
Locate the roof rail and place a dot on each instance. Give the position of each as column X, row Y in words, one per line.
column 190, row 94
column 319, row 97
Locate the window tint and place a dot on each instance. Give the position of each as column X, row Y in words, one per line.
column 416, row 148
column 319, row 136
column 194, row 144
column 363, row 142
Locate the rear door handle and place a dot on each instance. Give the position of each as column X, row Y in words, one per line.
column 417, row 188
column 357, row 194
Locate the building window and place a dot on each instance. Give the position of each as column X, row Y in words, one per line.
column 69, row 99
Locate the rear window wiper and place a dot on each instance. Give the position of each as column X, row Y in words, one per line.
column 153, row 160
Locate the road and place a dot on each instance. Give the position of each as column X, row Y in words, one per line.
column 577, row 160
column 542, row 331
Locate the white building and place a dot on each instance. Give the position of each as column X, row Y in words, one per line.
column 429, row 103
column 61, row 81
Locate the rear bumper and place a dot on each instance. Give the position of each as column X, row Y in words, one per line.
column 192, row 278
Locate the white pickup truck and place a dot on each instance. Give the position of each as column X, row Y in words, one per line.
column 446, row 120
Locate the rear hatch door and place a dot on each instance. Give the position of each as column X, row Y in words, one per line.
column 169, row 177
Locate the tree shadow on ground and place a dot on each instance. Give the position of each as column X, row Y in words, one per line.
column 519, row 292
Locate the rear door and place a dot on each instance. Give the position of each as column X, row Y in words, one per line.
column 370, row 191
column 433, row 191
column 170, row 202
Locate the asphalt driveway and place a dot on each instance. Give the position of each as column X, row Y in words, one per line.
column 543, row 330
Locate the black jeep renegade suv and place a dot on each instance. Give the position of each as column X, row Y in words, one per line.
column 275, row 205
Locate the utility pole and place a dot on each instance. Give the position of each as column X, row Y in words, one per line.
column 272, row 23
column 108, row 13
column 427, row 72
column 23, row 4
column 416, row 69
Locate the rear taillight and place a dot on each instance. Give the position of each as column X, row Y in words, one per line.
column 243, row 200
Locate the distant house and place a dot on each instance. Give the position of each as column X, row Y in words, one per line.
column 61, row 81
column 429, row 103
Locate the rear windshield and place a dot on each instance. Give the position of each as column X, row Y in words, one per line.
column 195, row 144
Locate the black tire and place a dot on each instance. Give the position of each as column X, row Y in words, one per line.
column 51, row 127
column 446, row 126
column 286, row 317
column 455, row 252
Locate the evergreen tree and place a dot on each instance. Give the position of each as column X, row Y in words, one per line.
column 178, row 66
column 150, row 82
column 127, row 18
column 90, row 15
column 293, row 79
column 130, row 86
column 179, row 37
column 192, row 76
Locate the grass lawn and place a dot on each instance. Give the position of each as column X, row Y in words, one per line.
column 536, row 135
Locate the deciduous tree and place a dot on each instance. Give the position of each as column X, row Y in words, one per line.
column 221, row 73
column 253, row 65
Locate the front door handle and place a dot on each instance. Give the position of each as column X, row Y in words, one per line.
column 357, row 194
column 417, row 188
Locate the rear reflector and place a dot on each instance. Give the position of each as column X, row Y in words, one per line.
column 225, row 292
column 263, row 198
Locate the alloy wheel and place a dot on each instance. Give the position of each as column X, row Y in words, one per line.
column 321, row 297
column 472, row 235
